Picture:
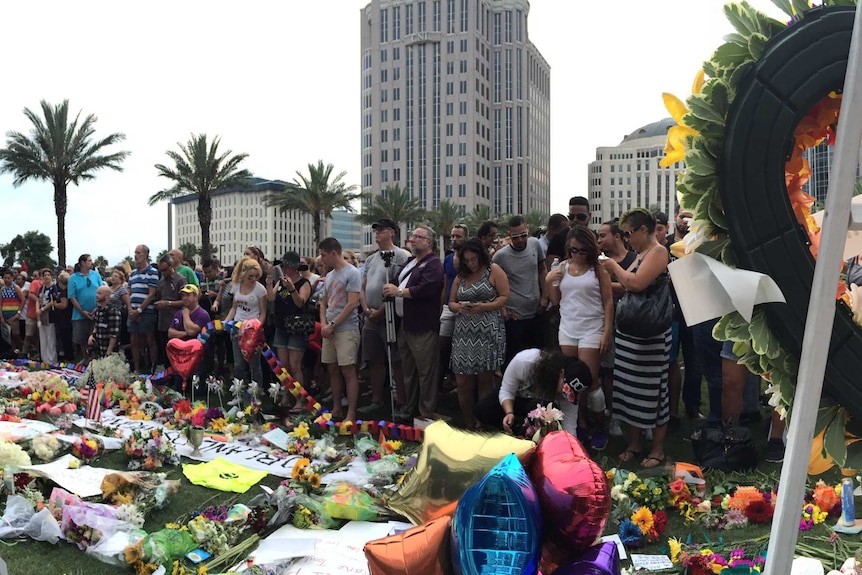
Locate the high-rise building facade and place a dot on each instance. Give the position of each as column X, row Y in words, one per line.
column 240, row 218
column 628, row 175
column 455, row 104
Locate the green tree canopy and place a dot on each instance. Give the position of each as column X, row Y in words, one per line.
column 59, row 151
column 395, row 204
column 33, row 247
column 443, row 218
column 317, row 194
column 200, row 169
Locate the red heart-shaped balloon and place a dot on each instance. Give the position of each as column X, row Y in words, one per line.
column 251, row 338
column 185, row 355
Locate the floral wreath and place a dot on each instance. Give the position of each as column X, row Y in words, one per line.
column 697, row 139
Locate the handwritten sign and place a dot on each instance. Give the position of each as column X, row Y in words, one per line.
column 651, row 562
column 85, row 481
column 259, row 457
column 24, row 429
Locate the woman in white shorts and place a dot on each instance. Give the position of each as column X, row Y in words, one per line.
column 582, row 289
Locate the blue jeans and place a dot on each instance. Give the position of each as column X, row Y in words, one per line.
column 709, row 356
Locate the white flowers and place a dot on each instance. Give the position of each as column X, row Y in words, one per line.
column 617, row 493
column 274, row 390
column 699, row 232
column 545, row 414
column 45, row 447
column 11, row 455
column 776, row 400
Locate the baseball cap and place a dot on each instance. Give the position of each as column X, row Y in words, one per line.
column 577, row 377
column 384, row 223
column 292, row 260
column 190, row 288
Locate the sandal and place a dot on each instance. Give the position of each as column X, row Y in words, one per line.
column 629, row 455
column 651, row 462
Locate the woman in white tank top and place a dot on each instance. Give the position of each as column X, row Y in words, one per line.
column 582, row 289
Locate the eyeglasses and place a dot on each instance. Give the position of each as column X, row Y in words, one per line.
column 518, row 236
column 415, row 237
column 578, row 251
column 579, row 217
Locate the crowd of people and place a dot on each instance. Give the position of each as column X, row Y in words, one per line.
column 503, row 323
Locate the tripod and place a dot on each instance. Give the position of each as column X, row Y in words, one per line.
column 391, row 337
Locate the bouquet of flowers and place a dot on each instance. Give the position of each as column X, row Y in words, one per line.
column 87, row 447
column 12, row 455
column 45, row 447
column 300, row 441
column 149, row 449
column 143, row 489
column 543, row 420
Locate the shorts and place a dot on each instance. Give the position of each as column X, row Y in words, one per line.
column 727, row 351
column 447, row 322
column 591, row 341
column 374, row 344
column 14, row 326
column 284, row 340
column 674, row 345
column 145, row 324
column 341, row 348
column 31, row 326
column 81, row 330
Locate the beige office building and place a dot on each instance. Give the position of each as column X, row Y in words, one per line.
column 627, row 176
column 455, row 104
column 240, row 219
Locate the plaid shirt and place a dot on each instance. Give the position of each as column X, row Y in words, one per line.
column 107, row 322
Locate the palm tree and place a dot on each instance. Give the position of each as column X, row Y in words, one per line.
column 443, row 218
column 480, row 213
column 61, row 152
column 395, row 204
column 536, row 219
column 317, row 195
column 200, row 170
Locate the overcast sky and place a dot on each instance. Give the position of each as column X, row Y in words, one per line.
column 280, row 81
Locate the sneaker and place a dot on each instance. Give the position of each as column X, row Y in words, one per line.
column 615, row 428
column 774, row 451
column 584, row 435
column 599, row 440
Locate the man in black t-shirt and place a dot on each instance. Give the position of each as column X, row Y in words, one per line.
column 579, row 215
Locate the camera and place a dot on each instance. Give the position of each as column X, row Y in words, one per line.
column 387, row 256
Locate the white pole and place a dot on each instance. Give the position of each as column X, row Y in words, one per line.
column 821, row 316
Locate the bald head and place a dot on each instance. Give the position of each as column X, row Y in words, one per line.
column 103, row 294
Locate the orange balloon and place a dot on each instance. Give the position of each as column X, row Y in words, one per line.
column 422, row 550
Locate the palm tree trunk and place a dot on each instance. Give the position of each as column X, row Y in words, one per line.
column 316, row 228
column 205, row 216
column 60, row 202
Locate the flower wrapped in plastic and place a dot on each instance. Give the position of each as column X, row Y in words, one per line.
column 46, row 447
column 310, row 513
column 12, row 455
column 143, row 489
column 149, row 449
column 345, row 501
column 368, row 448
column 543, row 420
column 87, row 447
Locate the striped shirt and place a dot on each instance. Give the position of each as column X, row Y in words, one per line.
column 11, row 303
column 140, row 283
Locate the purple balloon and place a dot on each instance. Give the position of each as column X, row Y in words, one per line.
column 601, row 559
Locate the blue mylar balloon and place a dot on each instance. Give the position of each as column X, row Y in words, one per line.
column 497, row 528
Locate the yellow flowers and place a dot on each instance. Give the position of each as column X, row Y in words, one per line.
column 643, row 518
column 674, row 150
column 675, row 548
column 300, row 431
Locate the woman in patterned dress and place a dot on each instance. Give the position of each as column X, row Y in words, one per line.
column 478, row 295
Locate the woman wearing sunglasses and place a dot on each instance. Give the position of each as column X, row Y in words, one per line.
column 582, row 289
column 641, row 397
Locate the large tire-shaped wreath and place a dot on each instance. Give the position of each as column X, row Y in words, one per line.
column 799, row 67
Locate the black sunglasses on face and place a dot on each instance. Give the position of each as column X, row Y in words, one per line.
column 579, row 251
column 579, row 217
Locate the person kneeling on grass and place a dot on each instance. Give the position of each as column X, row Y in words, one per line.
column 535, row 376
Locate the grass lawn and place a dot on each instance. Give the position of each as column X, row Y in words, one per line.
column 27, row 557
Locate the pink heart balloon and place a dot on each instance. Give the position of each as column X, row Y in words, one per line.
column 185, row 355
column 251, row 338
column 573, row 491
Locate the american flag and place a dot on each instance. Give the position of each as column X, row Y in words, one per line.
column 92, row 392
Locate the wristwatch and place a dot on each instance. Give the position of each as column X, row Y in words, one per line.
column 332, row 324
column 400, row 292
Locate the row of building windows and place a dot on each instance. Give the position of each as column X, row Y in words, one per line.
column 508, row 26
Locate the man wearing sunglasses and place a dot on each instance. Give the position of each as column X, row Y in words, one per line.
column 524, row 263
column 579, row 215
column 82, row 295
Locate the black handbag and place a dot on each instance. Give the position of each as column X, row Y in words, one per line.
column 726, row 448
column 647, row 313
column 300, row 325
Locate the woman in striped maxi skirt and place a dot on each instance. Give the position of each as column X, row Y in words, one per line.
column 641, row 396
